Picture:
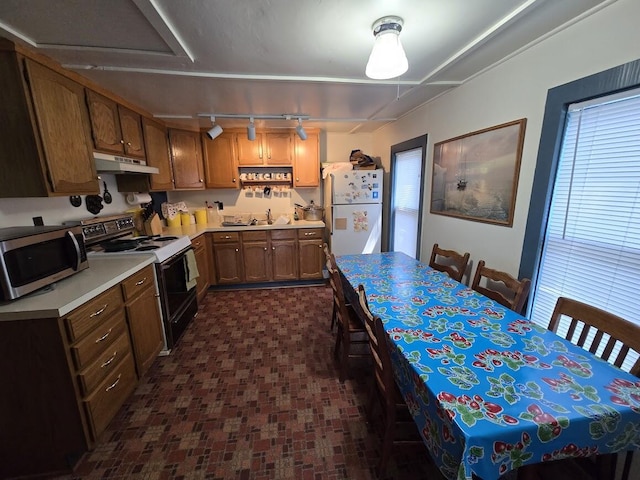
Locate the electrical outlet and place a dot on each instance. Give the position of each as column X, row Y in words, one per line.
column 37, row 221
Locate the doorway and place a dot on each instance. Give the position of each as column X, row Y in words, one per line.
column 408, row 161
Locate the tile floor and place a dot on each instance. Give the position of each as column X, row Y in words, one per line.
column 251, row 392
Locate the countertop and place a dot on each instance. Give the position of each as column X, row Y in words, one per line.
column 198, row 229
column 71, row 292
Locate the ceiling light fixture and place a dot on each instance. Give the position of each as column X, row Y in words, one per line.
column 251, row 130
column 300, row 129
column 214, row 131
column 387, row 59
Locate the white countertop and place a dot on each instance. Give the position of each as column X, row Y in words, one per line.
column 198, row 229
column 71, row 292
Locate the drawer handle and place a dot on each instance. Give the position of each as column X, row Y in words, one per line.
column 197, row 244
column 98, row 312
column 108, row 362
column 237, row 250
column 113, row 385
column 102, row 338
column 309, row 234
column 141, row 281
column 265, row 249
column 273, row 248
column 226, row 237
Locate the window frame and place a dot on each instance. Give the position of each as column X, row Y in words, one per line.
column 618, row 79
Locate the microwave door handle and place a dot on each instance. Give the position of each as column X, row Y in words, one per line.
column 76, row 247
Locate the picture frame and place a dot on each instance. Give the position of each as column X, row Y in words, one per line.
column 475, row 176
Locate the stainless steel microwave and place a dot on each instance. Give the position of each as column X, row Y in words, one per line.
column 34, row 257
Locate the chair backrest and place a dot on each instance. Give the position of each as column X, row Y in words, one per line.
column 508, row 291
column 379, row 351
column 586, row 320
column 342, row 315
column 455, row 264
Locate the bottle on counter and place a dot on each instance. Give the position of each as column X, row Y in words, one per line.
column 295, row 215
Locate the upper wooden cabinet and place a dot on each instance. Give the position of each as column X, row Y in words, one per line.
column 220, row 164
column 115, row 129
column 156, row 142
column 186, row 158
column 45, row 136
column 269, row 148
column 306, row 164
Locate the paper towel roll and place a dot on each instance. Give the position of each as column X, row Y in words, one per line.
column 138, row 198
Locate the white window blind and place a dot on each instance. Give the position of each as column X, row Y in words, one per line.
column 591, row 251
column 407, row 176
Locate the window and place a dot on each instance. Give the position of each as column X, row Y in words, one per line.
column 592, row 244
column 407, row 181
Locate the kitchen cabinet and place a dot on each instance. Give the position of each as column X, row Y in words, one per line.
column 227, row 249
column 115, row 129
column 186, row 159
column 284, row 258
column 201, row 246
column 256, row 255
column 156, row 142
column 268, row 149
column 311, row 254
column 143, row 317
column 220, row 161
column 45, row 140
column 306, row 163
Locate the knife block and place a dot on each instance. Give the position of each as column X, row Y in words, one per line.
column 153, row 225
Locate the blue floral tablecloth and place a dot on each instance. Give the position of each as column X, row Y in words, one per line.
column 490, row 390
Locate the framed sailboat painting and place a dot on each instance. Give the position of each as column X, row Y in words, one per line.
column 475, row 176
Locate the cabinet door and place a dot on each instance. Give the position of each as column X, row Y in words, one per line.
column 145, row 325
column 278, row 148
column 105, row 123
column 256, row 261
column 131, row 132
column 156, row 140
column 250, row 152
column 186, row 157
column 64, row 126
column 220, row 167
column 306, row 166
column 284, row 260
column 228, row 260
column 311, row 259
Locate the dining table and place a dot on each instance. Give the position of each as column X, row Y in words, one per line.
column 489, row 390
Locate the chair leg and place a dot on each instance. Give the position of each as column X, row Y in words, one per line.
column 387, row 441
column 344, row 364
column 372, row 400
column 627, row 465
column 334, row 315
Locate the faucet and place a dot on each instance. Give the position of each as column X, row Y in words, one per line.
column 269, row 219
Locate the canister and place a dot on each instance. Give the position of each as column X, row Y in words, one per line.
column 201, row 216
column 174, row 221
column 185, row 218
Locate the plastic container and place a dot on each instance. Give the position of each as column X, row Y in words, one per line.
column 174, row 222
column 185, row 218
column 201, row 216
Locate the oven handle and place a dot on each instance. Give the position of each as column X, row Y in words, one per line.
column 176, row 258
column 76, row 247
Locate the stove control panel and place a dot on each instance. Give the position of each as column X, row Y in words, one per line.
column 99, row 231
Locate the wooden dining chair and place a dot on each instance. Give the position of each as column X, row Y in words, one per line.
column 351, row 335
column 384, row 388
column 327, row 255
column 449, row 261
column 501, row 287
column 614, row 339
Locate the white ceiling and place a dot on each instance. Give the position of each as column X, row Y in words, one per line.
column 271, row 57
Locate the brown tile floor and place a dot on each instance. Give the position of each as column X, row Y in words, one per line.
column 251, row 392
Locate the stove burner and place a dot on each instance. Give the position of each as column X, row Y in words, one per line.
column 119, row 245
column 144, row 248
column 165, row 239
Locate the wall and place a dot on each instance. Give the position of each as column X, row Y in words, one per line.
column 514, row 89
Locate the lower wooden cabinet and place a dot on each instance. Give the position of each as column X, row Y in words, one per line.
column 227, row 251
column 312, row 259
column 202, row 249
column 284, row 255
column 256, row 256
column 66, row 378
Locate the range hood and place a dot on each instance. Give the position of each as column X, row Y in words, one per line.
column 117, row 164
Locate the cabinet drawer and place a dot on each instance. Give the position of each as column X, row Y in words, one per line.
column 82, row 320
column 137, row 282
column 198, row 243
column 226, row 237
column 91, row 376
column 310, row 233
column 290, row 234
column 102, row 405
column 99, row 339
column 254, row 236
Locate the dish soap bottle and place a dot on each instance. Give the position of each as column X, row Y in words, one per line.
column 295, row 215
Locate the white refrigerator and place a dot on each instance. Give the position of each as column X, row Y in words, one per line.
column 353, row 211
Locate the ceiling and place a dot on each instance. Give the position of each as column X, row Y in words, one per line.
column 185, row 60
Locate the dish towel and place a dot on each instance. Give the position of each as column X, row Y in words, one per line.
column 190, row 269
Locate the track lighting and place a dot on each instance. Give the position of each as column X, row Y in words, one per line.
column 214, row 131
column 387, row 59
column 300, row 129
column 251, row 130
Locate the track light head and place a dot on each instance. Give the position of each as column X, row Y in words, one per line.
column 251, row 130
column 214, row 131
column 300, row 130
